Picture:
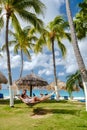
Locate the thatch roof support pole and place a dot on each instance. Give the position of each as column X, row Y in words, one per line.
column 30, row 90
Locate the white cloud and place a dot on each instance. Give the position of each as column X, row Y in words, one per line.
column 3, row 63
column 53, row 9
column 61, row 74
column 37, row 60
column 15, row 61
column 45, row 71
column 60, row 61
column 70, row 61
column 83, row 49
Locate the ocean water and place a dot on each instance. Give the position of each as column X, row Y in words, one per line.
column 37, row 92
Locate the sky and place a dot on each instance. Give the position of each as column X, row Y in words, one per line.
column 42, row 63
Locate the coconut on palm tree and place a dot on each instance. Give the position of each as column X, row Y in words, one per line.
column 12, row 10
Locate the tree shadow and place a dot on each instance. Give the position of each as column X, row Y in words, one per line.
column 54, row 101
column 6, row 101
column 82, row 126
column 41, row 111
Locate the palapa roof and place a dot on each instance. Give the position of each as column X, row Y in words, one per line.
column 30, row 80
column 60, row 85
column 3, row 79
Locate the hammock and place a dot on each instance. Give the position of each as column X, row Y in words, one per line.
column 32, row 104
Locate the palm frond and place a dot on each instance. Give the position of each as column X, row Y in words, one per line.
column 49, row 43
column 10, row 43
column 16, row 23
column 62, row 47
column 0, row 10
column 16, row 48
column 11, row 33
column 74, row 80
column 68, row 36
column 1, row 22
column 26, row 51
column 31, row 17
column 37, row 5
column 38, row 46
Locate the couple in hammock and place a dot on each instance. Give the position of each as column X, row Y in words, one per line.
column 32, row 100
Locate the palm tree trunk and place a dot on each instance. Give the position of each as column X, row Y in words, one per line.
column 80, row 61
column 30, row 90
column 21, row 64
column 8, row 64
column 54, row 66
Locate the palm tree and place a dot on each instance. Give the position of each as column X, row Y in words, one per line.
column 80, row 26
column 12, row 9
column 79, row 58
column 21, row 42
column 74, row 82
column 55, row 32
column 83, row 6
column 80, row 21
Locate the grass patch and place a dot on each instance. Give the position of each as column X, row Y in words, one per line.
column 49, row 115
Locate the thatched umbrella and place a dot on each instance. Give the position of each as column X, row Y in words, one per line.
column 60, row 85
column 30, row 81
column 3, row 79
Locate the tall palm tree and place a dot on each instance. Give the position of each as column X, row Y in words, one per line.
column 13, row 9
column 79, row 58
column 21, row 43
column 55, row 32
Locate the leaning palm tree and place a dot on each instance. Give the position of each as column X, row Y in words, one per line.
column 12, row 9
column 55, row 32
column 79, row 58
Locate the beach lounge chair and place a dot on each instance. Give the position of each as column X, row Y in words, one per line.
column 34, row 94
column 52, row 97
column 1, row 95
column 66, row 97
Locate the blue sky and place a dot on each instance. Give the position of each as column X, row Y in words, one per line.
column 42, row 64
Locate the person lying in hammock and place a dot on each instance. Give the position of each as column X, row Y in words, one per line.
column 31, row 100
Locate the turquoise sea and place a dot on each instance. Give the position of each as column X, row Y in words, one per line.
column 37, row 92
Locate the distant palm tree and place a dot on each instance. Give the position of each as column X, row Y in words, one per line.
column 55, row 31
column 79, row 58
column 12, row 9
